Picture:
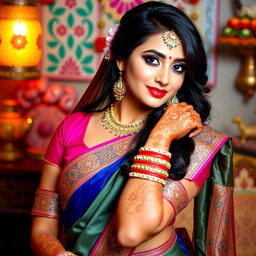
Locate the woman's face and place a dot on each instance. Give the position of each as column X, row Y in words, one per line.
column 154, row 73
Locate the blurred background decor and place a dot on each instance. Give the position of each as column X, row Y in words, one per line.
column 13, row 127
column 74, row 33
column 240, row 33
column 20, row 44
column 246, row 131
column 68, row 42
column 47, row 105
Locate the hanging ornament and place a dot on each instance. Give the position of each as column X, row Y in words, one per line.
column 193, row 1
column 100, row 41
column 99, row 44
column 194, row 13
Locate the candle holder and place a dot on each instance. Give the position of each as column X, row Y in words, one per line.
column 13, row 128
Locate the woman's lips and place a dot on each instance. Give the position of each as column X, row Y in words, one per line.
column 156, row 92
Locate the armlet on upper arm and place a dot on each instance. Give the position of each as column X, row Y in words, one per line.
column 175, row 193
column 46, row 204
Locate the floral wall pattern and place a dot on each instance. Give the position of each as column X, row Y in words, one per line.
column 74, row 32
column 68, row 39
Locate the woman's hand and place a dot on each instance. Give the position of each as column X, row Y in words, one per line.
column 178, row 120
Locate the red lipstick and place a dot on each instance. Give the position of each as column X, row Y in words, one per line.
column 156, row 92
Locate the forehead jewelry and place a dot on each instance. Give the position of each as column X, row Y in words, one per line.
column 171, row 39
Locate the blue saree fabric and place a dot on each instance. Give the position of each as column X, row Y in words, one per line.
column 85, row 194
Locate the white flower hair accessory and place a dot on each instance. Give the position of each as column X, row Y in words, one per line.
column 109, row 38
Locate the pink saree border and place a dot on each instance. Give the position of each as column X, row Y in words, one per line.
column 207, row 144
column 90, row 163
column 105, row 241
column 162, row 249
column 102, row 247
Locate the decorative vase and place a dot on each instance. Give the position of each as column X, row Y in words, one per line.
column 246, row 80
column 12, row 129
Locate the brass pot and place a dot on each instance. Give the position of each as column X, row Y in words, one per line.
column 13, row 127
column 246, row 80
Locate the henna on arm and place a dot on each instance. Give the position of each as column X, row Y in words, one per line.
column 46, row 245
column 142, row 194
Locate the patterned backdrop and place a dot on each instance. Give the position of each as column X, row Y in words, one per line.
column 245, row 204
column 72, row 27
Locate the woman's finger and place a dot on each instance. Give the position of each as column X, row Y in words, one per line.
column 195, row 132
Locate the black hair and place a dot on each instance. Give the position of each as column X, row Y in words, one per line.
column 135, row 27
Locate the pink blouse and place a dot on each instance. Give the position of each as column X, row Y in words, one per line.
column 67, row 142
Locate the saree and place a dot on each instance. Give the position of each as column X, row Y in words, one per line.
column 93, row 233
column 91, row 183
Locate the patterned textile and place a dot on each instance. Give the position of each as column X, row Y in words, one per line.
column 175, row 193
column 214, row 232
column 86, row 166
column 210, row 142
column 46, row 204
column 219, row 233
column 245, row 203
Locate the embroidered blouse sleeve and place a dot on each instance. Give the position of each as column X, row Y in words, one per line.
column 56, row 147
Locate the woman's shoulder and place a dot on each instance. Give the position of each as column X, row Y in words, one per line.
column 207, row 144
column 76, row 118
column 209, row 136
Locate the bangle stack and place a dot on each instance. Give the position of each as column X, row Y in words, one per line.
column 151, row 164
column 66, row 253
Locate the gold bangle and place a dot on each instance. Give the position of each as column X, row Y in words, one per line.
column 157, row 150
column 147, row 177
column 66, row 253
column 150, row 169
column 153, row 160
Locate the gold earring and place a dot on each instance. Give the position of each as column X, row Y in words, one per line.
column 173, row 100
column 119, row 87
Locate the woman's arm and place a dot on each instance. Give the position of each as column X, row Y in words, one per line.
column 45, row 231
column 142, row 212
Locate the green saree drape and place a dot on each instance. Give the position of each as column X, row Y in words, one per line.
column 213, row 210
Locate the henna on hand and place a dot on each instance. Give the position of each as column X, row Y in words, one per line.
column 47, row 245
column 178, row 120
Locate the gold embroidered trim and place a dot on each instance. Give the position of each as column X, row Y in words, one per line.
column 175, row 193
column 219, row 228
column 46, row 204
column 48, row 162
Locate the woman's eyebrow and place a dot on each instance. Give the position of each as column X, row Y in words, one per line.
column 155, row 52
column 163, row 55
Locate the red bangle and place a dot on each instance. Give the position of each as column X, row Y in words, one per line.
column 149, row 173
column 154, row 154
column 151, row 164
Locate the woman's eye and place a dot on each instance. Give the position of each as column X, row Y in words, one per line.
column 178, row 67
column 151, row 60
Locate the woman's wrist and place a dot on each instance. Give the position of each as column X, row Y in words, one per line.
column 151, row 164
column 163, row 145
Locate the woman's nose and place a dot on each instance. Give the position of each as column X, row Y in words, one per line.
column 163, row 77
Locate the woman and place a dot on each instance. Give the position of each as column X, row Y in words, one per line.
column 135, row 151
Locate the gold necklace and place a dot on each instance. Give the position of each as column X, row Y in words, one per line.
column 120, row 129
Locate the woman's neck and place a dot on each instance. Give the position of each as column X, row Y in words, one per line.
column 129, row 111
